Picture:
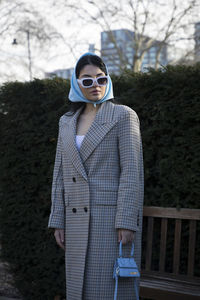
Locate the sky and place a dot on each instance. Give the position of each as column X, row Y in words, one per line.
column 77, row 34
column 14, row 58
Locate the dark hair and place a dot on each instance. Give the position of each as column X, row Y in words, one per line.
column 74, row 106
column 90, row 60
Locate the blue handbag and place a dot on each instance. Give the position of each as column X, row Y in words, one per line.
column 125, row 267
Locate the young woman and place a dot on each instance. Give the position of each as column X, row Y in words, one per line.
column 97, row 190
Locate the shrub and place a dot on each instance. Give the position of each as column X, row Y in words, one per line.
column 168, row 105
column 29, row 135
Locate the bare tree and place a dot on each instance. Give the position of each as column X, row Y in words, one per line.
column 148, row 25
column 22, row 27
column 151, row 23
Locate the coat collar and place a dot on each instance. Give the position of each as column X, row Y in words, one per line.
column 105, row 113
column 102, row 124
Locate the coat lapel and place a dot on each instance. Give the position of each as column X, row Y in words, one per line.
column 68, row 138
column 101, row 125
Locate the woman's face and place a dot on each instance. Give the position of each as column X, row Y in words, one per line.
column 95, row 92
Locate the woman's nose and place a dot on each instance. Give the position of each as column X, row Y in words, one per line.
column 95, row 83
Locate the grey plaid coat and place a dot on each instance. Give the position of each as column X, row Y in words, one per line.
column 94, row 192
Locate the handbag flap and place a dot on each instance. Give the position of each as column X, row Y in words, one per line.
column 124, row 262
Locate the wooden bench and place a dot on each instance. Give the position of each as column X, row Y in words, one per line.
column 159, row 280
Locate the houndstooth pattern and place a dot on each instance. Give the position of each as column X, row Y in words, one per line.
column 94, row 192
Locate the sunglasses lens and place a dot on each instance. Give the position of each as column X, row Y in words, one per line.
column 87, row 82
column 102, row 80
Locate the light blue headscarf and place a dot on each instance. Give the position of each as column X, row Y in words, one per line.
column 75, row 94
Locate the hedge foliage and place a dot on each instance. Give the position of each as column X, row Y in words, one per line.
column 167, row 102
column 168, row 105
column 28, row 136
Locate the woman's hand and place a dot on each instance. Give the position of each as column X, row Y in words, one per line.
column 126, row 236
column 60, row 238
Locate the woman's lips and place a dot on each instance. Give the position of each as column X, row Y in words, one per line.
column 96, row 92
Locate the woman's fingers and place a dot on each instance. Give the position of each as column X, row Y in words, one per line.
column 59, row 236
column 119, row 235
column 62, row 236
column 126, row 236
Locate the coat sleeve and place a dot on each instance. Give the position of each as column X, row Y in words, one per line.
column 131, row 184
column 56, row 219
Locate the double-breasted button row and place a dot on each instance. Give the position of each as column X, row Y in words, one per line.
column 74, row 210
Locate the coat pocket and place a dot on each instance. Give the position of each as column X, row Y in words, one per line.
column 106, row 198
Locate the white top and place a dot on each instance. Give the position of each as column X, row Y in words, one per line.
column 79, row 140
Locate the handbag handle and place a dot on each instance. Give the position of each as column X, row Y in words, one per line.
column 120, row 249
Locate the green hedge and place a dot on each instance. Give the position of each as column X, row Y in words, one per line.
column 167, row 103
column 29, row 134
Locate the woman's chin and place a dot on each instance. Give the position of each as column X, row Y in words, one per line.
column 95, row 98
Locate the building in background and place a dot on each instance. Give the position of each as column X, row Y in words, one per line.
column 117, row 47
column 121, row 38
column 64, row 73
column 91, row 48
column 149, row 60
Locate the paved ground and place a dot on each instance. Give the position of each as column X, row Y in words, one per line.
column 6, row 284
column 7, row 288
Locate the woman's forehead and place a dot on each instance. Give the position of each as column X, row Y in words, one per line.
column 90, row 71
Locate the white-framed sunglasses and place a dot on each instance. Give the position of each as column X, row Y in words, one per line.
column 88, row 82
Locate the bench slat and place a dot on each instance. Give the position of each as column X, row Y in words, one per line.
column 170, row 212
column 177, row 243
column 191, row 251
column 149, row 243
column 163, row 241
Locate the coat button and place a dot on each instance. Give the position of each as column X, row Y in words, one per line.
column 74, row 179
column 85, row 209
column 74, row 210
